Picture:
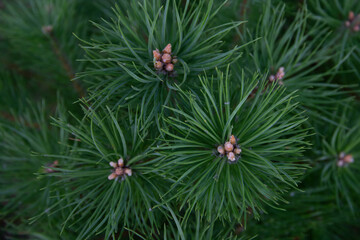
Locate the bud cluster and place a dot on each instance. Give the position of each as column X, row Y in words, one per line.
column 344, row 159
column 47, row 30
column 278, row 77
column 120, row 171
column 231, row 149
column 49, row 167
column 164, row 61
column 353, row 22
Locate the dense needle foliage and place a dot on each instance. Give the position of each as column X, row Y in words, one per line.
column 179, row 119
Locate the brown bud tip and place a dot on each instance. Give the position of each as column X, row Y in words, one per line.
column 348, row 158
column 121, row 162
column 237, row 151
column 47, row 29
column 342, row 155
column 157, row 55
column 228, row 147
column 221, row 150
column 175, row 60
column 281, row 69
column 351, row 15
column 112, row 176
column 232, row 140
column 128, row 171
column 356, row 28
column 231, row 156
column 167, row 49
column 347, row 23
column 166, row 58
column 119, row 171
column 169, row 67
column 158, row 65
column 272, row 78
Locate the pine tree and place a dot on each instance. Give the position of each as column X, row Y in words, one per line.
column 179, row 119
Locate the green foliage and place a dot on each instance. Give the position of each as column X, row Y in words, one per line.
column 121, row 66
column 342, row 180
column 301, row 52
column 268, row 134
column 104, row 137
column 24, row 192
column 253, row 134
column 334, row 14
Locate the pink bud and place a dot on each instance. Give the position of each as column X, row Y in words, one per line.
column 166, row 58
column 232, row 140
column 231, row 156
column 119, row 171
column 174, row 60
column 347, row 24
column 47, row 29
column 128, row 171
column 221, row 150
column 158, row 65
column 112, row 176
column 167, row 49
column 237, row 151
column 340, row 163
column 121, row 162
column 351, row 15
column 113, row 164
column 356, row 28
column 169, row 67
column 348, row 158
column 157, row 54
column 280, row 75
column 272, row 78
column 228, row 147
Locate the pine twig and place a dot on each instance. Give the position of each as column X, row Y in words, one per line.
column 65, row 63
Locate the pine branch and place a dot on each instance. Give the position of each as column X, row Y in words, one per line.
column 194, row 146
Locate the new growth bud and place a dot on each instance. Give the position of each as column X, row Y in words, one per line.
column 121, row 162
column 113, row 164
column 120, row 171
column 158, row 65
column 164, row 62
column 353, row 22
column 167, row 49
column 47, row 30
column 232, row 140
column 231, row 149
column 157, row 55
column 351, row 16
column 169, row 67
column 231, row 156
column 344, row 159
column 221, row 150
column 166, row 58
column 237, row 151
column 112, row 176
column 278, row 76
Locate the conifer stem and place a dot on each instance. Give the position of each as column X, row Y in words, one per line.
column 65, row 64
column 11, row 118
